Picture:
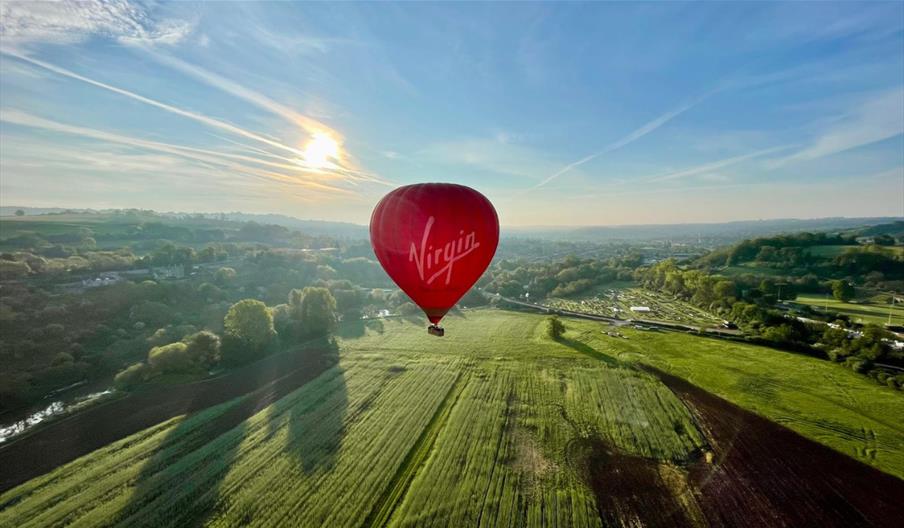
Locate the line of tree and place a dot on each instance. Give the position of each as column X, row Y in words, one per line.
column 562, row 278
column 249, row 334
column 754, row 309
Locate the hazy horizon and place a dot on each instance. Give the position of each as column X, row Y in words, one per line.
column 563, row 115
column 9, row 210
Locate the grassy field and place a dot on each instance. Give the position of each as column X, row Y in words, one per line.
column 617, row 302
column 818, row 399
column 829, row 251
column 750, row 268
column 486, row 426
column 868, row 310
column 383, row 436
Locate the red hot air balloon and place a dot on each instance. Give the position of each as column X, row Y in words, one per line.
column 435, row 240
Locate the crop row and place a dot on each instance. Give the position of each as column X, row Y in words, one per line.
column 504, row 455
column 319, row 456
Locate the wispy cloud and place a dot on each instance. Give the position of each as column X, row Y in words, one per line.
column 229, row 161
column 26, row 23
column 311, row 125
column 627, row 140
column 876, row 119
column 348, row 172
column 710, row 167
column 488, row 154
column 345, row 167
column 209, row 121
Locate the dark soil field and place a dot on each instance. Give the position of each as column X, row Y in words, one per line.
column 763, row 474
column 67, row 439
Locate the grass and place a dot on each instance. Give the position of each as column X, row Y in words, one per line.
column 476, row 428
column 829, row 252
column 871, row 310
column 385, row 431
column 750, row 268
column 818, row 399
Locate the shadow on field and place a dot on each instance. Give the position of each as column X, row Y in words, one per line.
column 316, row 432
column 628, row 487
column 181, row 481
column 587, row 350
column 351, row 329
column 176, row 486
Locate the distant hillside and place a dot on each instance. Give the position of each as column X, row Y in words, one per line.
column 721, row 233
column 711, row 234
column 311, row 227
column 895, row 229
column 10, row 210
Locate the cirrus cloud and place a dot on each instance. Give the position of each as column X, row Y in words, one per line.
column 27, row 23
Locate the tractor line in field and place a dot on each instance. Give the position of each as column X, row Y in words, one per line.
column 395, row 492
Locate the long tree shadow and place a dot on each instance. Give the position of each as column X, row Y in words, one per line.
column 180, row 483
column 587, row 350
column 316, row 428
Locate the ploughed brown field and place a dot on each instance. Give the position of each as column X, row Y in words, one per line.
column 759, row 474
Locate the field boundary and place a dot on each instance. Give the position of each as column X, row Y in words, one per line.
column 386, row 504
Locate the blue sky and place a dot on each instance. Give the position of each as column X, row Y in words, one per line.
column 562, row 114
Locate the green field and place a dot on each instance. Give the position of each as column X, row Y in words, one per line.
column 829, row 251
column 617, row 302
column 475, row 428
column 868, row 310
column 817, row 399
column 750, row 268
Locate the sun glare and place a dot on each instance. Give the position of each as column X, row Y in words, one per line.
column 319, row 152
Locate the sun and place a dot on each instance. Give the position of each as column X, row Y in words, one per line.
column 320, row 150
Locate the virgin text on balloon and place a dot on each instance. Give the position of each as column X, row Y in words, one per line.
column 427, row 260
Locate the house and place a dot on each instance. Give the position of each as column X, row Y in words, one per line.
column 640, row 309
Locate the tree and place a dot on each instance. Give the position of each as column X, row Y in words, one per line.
column 554, row 327
column 20, row 212
column 203, row 348
column 842, row 290
column 170, row 358
column 317, row 312
column 224, row 276
column 131, row 376
column 349, row 302
column 724, row 290
column 884, row 240
column 248, row 331
column 767, row 286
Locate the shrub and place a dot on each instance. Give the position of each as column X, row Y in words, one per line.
column 131, row 376
column 554, row 327
column 248, row 331
column 203, row 348
column 170, row 358
column 224, row 276
column 317, row 312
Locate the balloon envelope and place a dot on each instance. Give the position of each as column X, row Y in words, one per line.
column 434, row 240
